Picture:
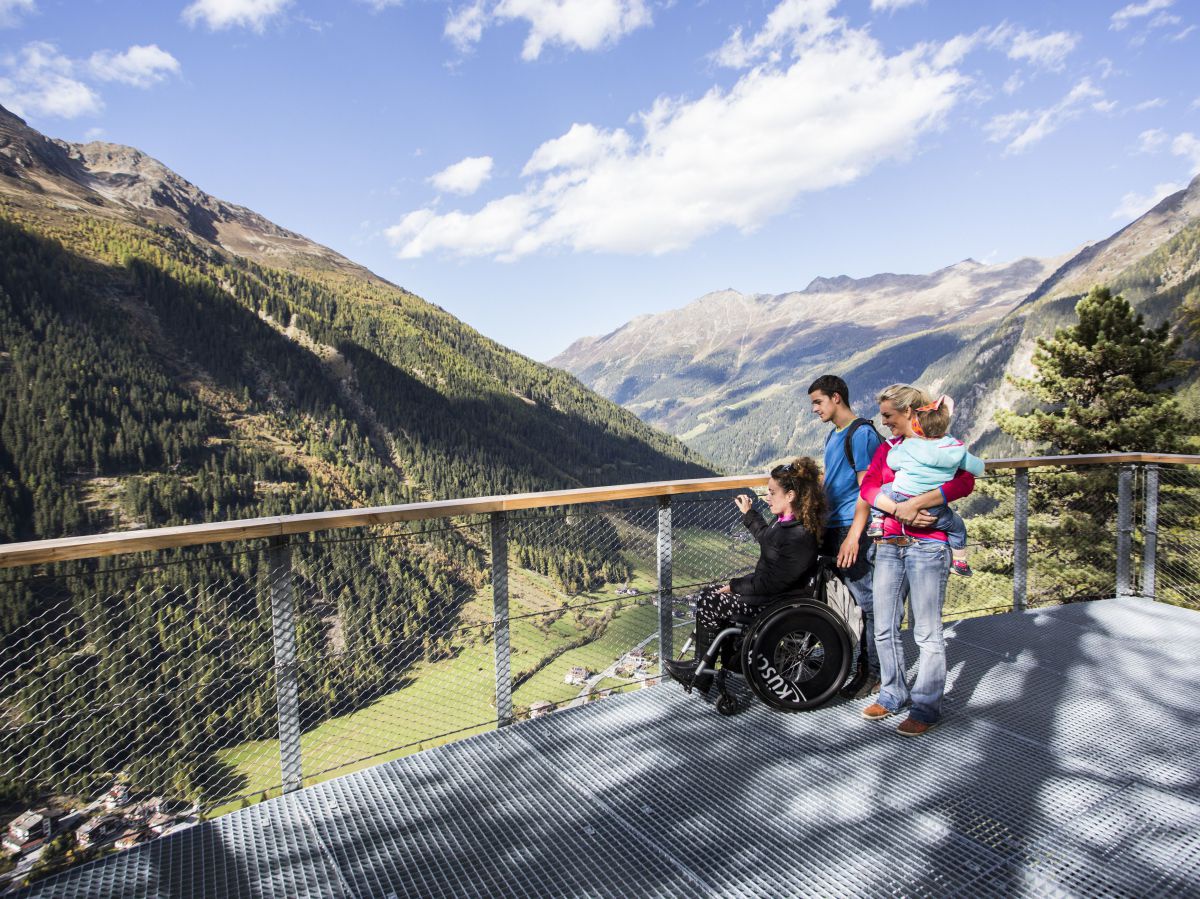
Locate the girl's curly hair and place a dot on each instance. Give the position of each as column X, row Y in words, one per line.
column 804, row 477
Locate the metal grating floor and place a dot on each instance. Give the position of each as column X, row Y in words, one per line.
column 1068, row 765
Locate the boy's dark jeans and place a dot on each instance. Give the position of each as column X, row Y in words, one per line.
column 859, row 579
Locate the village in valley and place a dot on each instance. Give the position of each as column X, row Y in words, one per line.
column 40, row 841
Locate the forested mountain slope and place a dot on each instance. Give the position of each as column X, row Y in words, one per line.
column 1154, row 262
column 167, row 357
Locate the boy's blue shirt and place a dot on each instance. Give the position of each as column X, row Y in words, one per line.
column 841, row 481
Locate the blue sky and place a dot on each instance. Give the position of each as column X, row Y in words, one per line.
column 548, row 169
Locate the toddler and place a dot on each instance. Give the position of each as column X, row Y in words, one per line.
column 926, row 462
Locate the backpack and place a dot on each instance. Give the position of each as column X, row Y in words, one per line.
column 854, row 426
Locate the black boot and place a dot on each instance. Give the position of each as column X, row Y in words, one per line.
column 683, row 672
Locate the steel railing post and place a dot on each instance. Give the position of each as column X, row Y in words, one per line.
column 1124, row 530
column 504, row 700
column 666, row 604
column 1150, row 534
column 287, row 689
column 1021, row 541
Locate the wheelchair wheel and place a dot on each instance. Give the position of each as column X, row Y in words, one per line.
column 727, row 704
column 797, row 655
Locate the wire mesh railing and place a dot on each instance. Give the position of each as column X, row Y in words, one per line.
column 156, row 688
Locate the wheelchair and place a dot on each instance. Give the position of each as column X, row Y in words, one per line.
column 797, row 652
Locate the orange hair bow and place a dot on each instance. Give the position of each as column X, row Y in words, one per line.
column 942, row 400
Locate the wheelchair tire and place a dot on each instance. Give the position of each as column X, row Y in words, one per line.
column 796, row 655
column 727, row 704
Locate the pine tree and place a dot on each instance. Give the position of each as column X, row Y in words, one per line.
column 1106, row 380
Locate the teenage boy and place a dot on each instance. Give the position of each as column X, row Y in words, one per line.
column 849, row 448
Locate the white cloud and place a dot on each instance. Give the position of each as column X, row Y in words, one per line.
column 578, row 24
column 1126, row 14
column 733, row 157
column 1154, row 103
column 464, row 177
column 1047, row 51
column 1104, row 106
column 218, row 14
column 1182, row 34
column 1014, row 83
column 41, row 82
column 140, row 66
column 495, row 230
column 578, row 149
column 1152, row 141
column 465, row 26
column 792, row 22
column 1187, row 144
column 12, row 10
column 892, row 5
column 93, row 134
column 1134, row 205
column 1028, row 127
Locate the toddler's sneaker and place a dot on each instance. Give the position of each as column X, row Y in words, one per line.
column 875, row 529
column 961, row 566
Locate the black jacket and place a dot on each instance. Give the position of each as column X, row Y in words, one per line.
column 787, row 554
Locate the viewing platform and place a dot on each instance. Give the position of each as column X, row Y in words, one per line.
column 1068, row 764
column 283, row 688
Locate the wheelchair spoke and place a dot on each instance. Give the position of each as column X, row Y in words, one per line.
column 799, row 657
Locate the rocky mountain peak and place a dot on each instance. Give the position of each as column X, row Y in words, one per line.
column 824, row 285
column 124, row 183
column 25, row 152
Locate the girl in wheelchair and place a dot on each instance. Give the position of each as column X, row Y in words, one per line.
column 787, row 559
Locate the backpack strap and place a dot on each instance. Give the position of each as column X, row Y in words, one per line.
column 850, row 436
column 854, row 426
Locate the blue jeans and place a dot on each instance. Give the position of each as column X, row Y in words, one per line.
column 947, row 521
column 859, row 578
column 920, row 570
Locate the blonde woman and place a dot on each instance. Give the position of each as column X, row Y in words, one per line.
column 912, row 560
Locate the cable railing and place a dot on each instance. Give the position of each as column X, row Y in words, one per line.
column 151, row 678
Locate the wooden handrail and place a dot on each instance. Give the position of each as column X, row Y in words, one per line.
column 1094, row 459
column 92, row 546
column 37, row 552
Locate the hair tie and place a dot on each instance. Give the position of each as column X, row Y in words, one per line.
column 942, row 400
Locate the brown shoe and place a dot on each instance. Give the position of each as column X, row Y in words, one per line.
column 876, row 712
column 911, row 727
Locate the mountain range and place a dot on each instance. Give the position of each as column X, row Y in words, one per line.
column 167, row 356
column 728, row 373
